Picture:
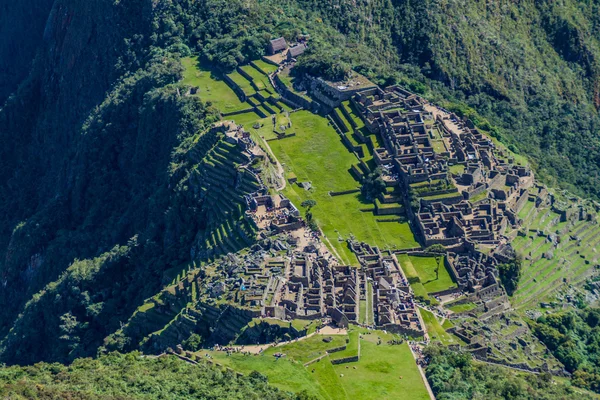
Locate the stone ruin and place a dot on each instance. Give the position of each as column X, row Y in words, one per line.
column 392, row 299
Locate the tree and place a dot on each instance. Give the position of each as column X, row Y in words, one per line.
column 510, row 273
column 312, row 224
column 308, row 204
column 193, row 343
column 373, row 185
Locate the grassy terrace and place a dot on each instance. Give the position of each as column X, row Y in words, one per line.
column 424, row 268
column 442, row 196
column 317, row 154
column 461, row 307
column 243, row 83
column 571, row 260
column 211, row 86
column 435, row 330
column 360, row 125
column 265, row 66
column 375, row 376
column 260, row 80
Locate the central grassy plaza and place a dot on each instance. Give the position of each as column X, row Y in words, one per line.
column 316, row 154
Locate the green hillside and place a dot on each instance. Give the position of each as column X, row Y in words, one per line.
column 114, row 187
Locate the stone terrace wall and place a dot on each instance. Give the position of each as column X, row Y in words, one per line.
column 286, row 93
column 238, row 90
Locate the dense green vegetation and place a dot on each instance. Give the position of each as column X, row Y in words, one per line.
column 454, row 375
column 373, row 185
column 574, row 338
column 132, row 376
column 510, row 273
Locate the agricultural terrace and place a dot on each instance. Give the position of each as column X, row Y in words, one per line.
column 384, row 371
column 463, row 307
column 243, row 83
column 260, row 80
column 265, row 66
column 547, row 267
column 211, row 86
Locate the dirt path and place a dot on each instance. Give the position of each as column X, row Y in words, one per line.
column 331, row 247
column 280, row 169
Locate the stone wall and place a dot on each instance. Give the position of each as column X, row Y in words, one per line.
column 238, row 90
column 286, row 93
column 345, row 360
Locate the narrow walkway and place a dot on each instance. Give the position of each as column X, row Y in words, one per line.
column 280, row 169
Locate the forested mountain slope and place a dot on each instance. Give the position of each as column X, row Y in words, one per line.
column 99, row 143
column 132, row 377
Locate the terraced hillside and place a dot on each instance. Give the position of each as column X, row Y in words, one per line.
column 196, row 303
column 312, row 149
column 223, row 186
column 558, row 250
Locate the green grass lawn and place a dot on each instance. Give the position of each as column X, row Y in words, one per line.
column 211, row 86
column 425, row 268
column 457, row 169
column 309, row 349
column 436, row 332
column 317, row 154
column 447, row 324
column 370, row 313
column 383, row 372
column 376, row 376
column 438, row 146
column 265, row 66
column 286, row 374
column 479, row 196
column 413, row 278
column 243, row 83
column 462, row 307
column 362, row 306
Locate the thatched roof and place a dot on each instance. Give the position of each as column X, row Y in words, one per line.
column 296, row 50
column 278, row 44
